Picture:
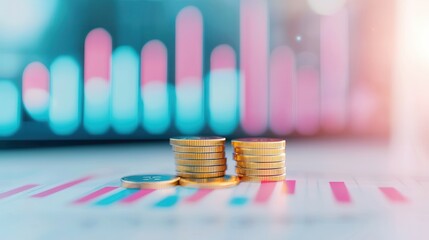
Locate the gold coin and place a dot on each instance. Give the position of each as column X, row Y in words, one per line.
column 259, row 165
column 201, row 175
column 199, row 155
column 197, row 141
column 213, row 183
column 254, row 158
column 200, row 169
column 201, row 162
column 259, row 143
column 152, row 181
column 259, row 172
column 213, row 149
column 259, row 151
column 273, row 178
column 204, row 180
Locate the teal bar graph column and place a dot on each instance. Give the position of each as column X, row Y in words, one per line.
column 10, row 108
column 125, row 87
column 64, row 117
column 223, row 91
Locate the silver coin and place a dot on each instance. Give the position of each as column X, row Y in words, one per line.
column 149, row 181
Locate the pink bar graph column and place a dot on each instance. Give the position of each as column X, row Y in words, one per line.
column 189, row 84
column 60, row 188
column 334, row 70
column 137, row 196
column 290, row 187
column 282, row 90
column 154, row 87
column 17, row 190
column 98, row 53
column 264, row 192
column 307, row 122
column 340, row 192
column 94, row 195
column 393, row 195
column 35, row 90
column 198, row 196
column 254, row 64
column 222, row 58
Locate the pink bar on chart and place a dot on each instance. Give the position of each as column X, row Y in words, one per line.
column 393, row 195
column 340, row 192
column 264, row 192
column 189, row 47
column 153, row 63
column 222, row 57
column 136, row 196
column 98, row 52
column 282, row 89
column 94, row 195
column 307, row 122
column 290, row 187
column 363, row 105
column 334, row 70
column 198, row 196
column 254, row 64
column 35, row 90
column 60, row 187
column 35, row 75
column 17, row 190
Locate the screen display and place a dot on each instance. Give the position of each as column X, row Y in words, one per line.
column 146, row 69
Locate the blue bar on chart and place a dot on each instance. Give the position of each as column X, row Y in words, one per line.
column 125, row 91
column 238, row 201
column 168, row 201
column 173, row 199
column 10, row 105
column 64, row 110
column 114, row 198
column 240, row 196
column 223, row 91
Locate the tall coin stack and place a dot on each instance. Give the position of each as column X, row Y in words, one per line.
column 260, row 159
column 199, row 157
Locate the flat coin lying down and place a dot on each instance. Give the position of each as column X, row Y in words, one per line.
column 202, row 169
column 186, row 149
column 258, row 143
column 200, row 175
column 222, row 182
column 151, row 181
column 201, row 162
column 179, row 155
column 261, row 165
column 259, row 172
column 263, row 178
column 197, row 141
column 255, row 158
column 259, row 151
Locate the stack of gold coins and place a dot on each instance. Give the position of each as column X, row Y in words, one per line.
column 260, row 159
column 199, row 157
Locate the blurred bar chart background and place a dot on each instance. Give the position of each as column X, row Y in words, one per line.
column 149, row 69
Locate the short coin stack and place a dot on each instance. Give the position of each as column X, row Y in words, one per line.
column 199, row 157
column 260, row 159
